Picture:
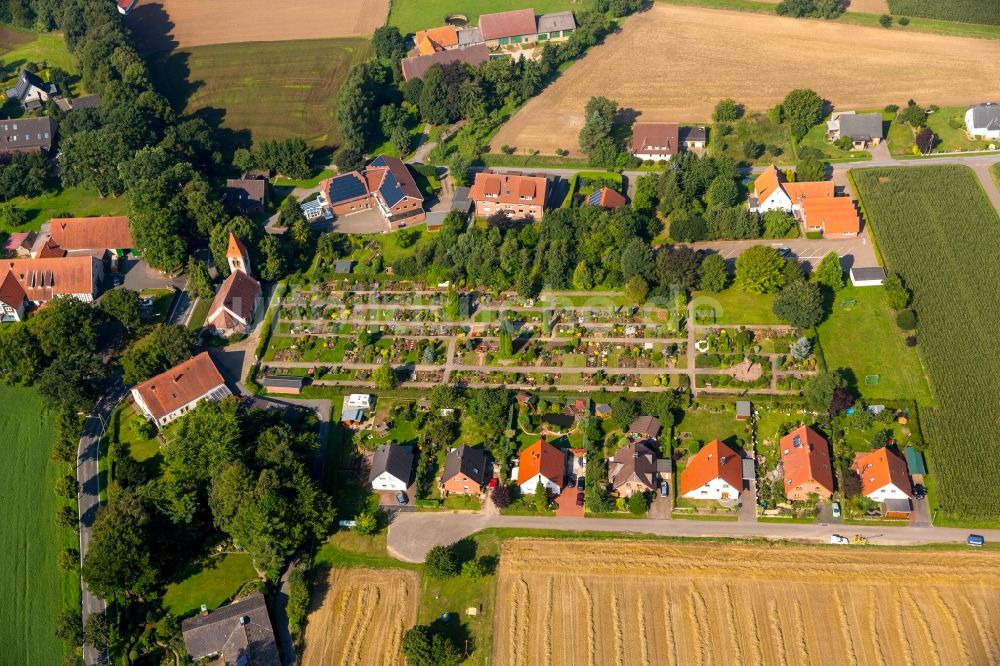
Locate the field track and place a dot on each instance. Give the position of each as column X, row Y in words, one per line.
column 650, row 603
column 359, row 617
column 161, row 25
column 673, row 63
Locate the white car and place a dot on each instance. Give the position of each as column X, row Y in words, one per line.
column 839, row 540
column 836, row 509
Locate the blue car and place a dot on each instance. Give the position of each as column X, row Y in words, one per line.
column 975, row 540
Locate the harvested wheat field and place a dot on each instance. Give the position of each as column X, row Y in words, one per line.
column 673, row 63
column 359, row 616
column 161, row 25
column 617, row 602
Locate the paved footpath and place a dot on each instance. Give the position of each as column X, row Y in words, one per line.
column 411, row 535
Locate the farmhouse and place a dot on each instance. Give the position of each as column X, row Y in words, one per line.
column 867, row 276
column 645, row 427
column 863, row 129
column 983, row 121
column 37, row 281
column 416, row 66
column 434, row 40
column 544, row 462
column 235, row 304
column 715, row 472
column 245, row 196
column 390, row 468
column 884, row 475
column 26, row 135
column 805, row 458
column 177, row 391
column 555, row 27
column 466, row 471
column 518, row 196
column 31, row 92
column 772, row 191
column 98, row 236
column 655, row 141
column 513, row 27
column 238, row 634
column 834, row 217
column 355, row 408
column 385, row 184
column 632, row 469
column 606, row 198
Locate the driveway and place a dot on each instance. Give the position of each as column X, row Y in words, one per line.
column 661, row 507
column 566, row 503
column 139, row 276
column 365, row 222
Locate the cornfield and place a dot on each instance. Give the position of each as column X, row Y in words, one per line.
column 936, row 228
column 966, row 11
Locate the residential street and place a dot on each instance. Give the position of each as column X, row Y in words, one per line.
column 411, row 535
column 89, row 497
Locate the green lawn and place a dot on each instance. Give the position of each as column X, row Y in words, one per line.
column 199, row 313
column 865, row 339
column 391, row 251
column 32, row 587
column 276, row 90
column 77, row 201
column 413, row 15
column 735, row 306
column 704, row 426
column 995, row 171
column 215, row 581
column 21, row 46
column 816, row 138
column 948, row 122
column 306, row 183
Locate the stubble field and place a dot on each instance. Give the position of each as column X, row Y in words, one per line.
column 359, row 617
column 165, row 24
column 699, row 603
column 673, row 63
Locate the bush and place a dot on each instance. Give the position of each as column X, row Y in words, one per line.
column 911, row 341
column 473, row 569
column 902, row 20
column 906, row 320
column 67, row 487
column 844, row 143
column 441, row 562
column 891, row 108
column 637, row 504
column 69, row 560
column 366, row 523
column 727, row 110
column 501, row 496
column 885, row 20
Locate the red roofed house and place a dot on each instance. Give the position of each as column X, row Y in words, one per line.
column 385, row 184
column 606, row 198
column 177, row 391
column 805, row 457
column 715, row 472
column 125, row 6
column 655, row 141
column 884, row 475
column 92, row 235
column 541, row 461
column 513, row 27
column 519, row 197
column 235, row 303
column 835, row 217
column 772, row 191
column 38, row 281
column 434, row 40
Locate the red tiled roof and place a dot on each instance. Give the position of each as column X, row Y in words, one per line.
column 610, row 199
column 512, row 188
column 415, row 67
column 50, row 250
column 238, row 294
column 805, row 457
column 180, row 385
column 436, row 39
column 715, row 460
column 810, row 189
column 91, row 233
column 11, row 291
column 508, row 24
column 655, row 137
column 880, row 468
column 541, row 458
column 235, row 249
column 834, row 215
column 45, row 278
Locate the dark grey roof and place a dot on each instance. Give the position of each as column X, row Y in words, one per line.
column 468, row 461
column 664, row 465
column 343, row 266
column 986, row 116
column 859, row 126
column 470, row 36
column 88, row 102
column 897, row 505
column 867, row 273
column 435, row 218
column 636, row 460
column 393, row 459
column 246, row 189
column 461, row 201
column 749, row 469
column 397, row 182
column 556, row 22
column 646, row 425
column 693, row 134
column 26, row 134
column 415, row 66
column 285, row 381
column 743, row 408
column 240, row 632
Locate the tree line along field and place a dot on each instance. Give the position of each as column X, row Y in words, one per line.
column 31, row 586
column 597, row 603
column 936, row 228
column 413, row 15
column 966, row 11
column 276, row 90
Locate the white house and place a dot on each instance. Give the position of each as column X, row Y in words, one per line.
column 177, row 391
column 355, row 408
column 655, row 141
column 714, row 473
column 884, row 475
column 391, row 468
column 541, row 462
column 983, row 121
column 772, row 191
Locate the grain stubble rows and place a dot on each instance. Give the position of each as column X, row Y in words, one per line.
column 656, row 603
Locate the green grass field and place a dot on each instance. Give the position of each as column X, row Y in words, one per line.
column 995, row 172
column 413, row 15
column 935, row 226
column 275, row 90
column 215, row 581
column 78, row 201
column 948, row 123
column 735, row 306
column 18, row 47
column 865, row 339
column 32, row 587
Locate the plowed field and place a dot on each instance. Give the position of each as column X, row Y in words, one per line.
column 359, row 617
column 597, row 603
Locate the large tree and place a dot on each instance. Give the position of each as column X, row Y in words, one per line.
column 712, row 275
column 121, row 562
column 65, row 325
column 160, row 349
column 598, row 123
column 802, row 109
column 830, row 272
column 820, row 389
column 125, row 306
column 677, row 268
column 759, row 270
column 800, row 304
column 388, row 43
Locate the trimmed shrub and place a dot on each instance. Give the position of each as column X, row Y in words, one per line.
column 907, row 320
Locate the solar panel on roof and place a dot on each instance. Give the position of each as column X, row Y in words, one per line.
column 343, row 188
column 379, row 162
column 390, row 189
column 594, row 199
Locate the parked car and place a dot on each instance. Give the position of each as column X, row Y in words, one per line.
column 663, row 489
column 348, row 524
column 839, row 540
column 579, row 499
column 400, row 498
column 785, row 251
column 836, row 509
column 975, row 540
column 580, row 483
column 919, row 492
column 147, row 302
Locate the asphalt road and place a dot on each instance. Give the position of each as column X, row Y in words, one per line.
column 89, row 497
column 411, row 535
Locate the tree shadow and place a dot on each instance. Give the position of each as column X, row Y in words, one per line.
column 152, row 28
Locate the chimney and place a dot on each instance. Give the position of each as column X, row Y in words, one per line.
column 204, row 610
